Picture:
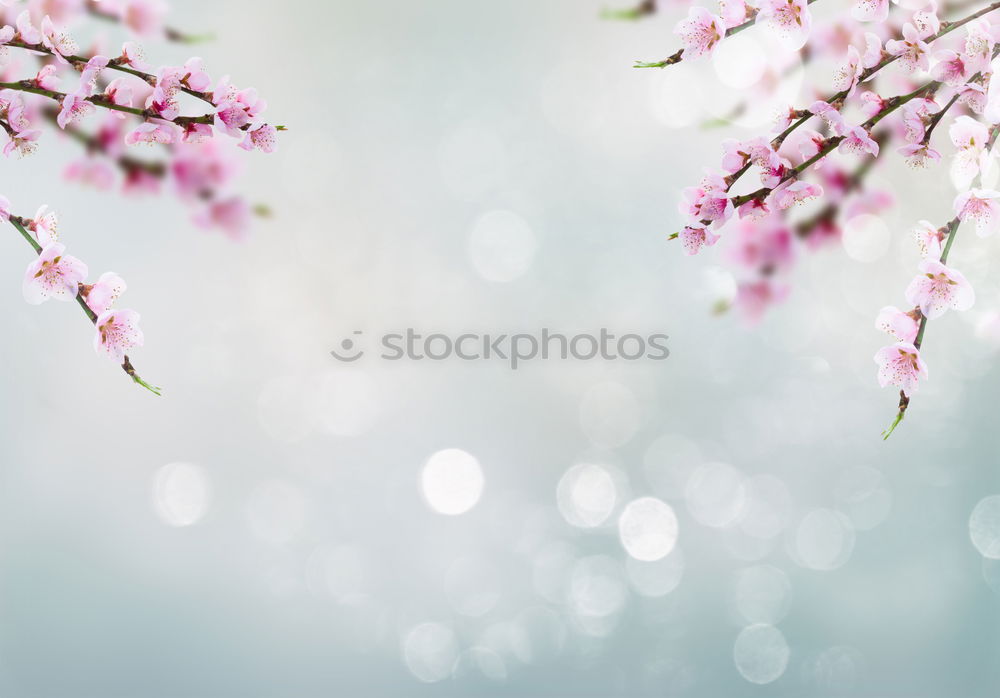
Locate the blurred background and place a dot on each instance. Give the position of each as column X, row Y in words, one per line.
column 282, row 524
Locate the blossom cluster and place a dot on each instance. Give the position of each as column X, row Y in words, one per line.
column 900, row 74
column 111, row 102
column 141, row 104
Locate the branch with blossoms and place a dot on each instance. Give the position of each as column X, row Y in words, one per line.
column 47, row 83
column 907, row 85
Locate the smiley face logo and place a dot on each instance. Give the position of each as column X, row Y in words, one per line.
column 350, row 350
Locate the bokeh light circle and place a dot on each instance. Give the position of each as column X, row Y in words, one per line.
column 647, row 529
column 452, row 481
column 761, row 653
column 984, row 527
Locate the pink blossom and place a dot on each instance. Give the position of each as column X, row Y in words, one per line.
column 4, row 209
column 707, row 202
column 900, row 365
column 232, row 215
column 872, row 104
column 90, row 170
column 194, row 76
column 163, row 99
column 949, row 68
column 196, row 133
column 139, row 181
column 911, row 50
column 44, row 225
column 846, row 77
column 755, row 209
column 53, row 274
column 73, row 109
column 264, row 137
column 734, row 12
column 88, row 76
column 902, row 326
column 796, row 192
column 26, row 29
column 926, row 21
column 13, row 108
column 930, row 239
column 117, row 332
column 809, row 143
column 980, row 205
column 979, row 43
column 48, row 77
column 914, row 115
column 919, row 155
column 199, row 170
column 6, row 34
column 132, row 56
column 970, row 138
column 871, row 10
column 700, row 32
column 757, row 151
column 144, row 17
column 57, row 40
column 938, row 288
column 764, row 246
column 120, row 93
column 753, row 298
column 830, row 115
column 231, row 117
column 103, row 294
column 784, row 119
column 974, row 96
column 23, row 143
column 857, row 140
column 789, row 19
column 873, row 51
column 152, row 132
column 693, row 238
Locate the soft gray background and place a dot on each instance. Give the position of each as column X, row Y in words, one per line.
column 410, row 120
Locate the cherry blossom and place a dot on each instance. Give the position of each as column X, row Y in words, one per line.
column 707, row 202
column 902, row 326
column 940, row 79
column 857, row 140
column 700, row 33
column 117, row 332
column 970, row 138
column 919, row 155
column 57, row 40
column 53, row 274
column 937, row 288
column 152, row 132
column 847, row 76
column 753, row 298
column 102, row 295
column 74, row 108
column 44, row 225
column 50, row 83
column 981, row 206
column 950, row 68
column 930, row 239
column 693, row 238
column 871, row 10
column 789, row 19
column 796, row 192
column 900, row 365
column 911, row 50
